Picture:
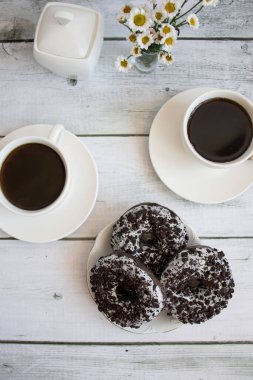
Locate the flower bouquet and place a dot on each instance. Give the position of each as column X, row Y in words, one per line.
column 154, row 30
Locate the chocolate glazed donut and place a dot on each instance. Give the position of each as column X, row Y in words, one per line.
column 150, row 232
column 198, row 284
column 125, row 291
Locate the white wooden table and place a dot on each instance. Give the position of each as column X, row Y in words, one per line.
column 49, row 328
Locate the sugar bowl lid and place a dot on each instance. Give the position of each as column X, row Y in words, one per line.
column 66, row 30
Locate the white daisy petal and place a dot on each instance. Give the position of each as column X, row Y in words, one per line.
column 171, row 7
column 167, row 59
column 159, row 15
column 160, row 56
column 168, row 43
column 136, row 51
column 132, row 38
column 121, row 18
column 126, row 9
column 139, row 19
column 145, row 40
column 122, row 64
column 210, row 3
column 193, row 21
column 167, row 30
column 159, row 39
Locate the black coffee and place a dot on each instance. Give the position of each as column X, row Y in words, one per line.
column 220, row 130
column 32, row 176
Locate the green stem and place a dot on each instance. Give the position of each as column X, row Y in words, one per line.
column 126, row 26
column 189, row 10
column 181, row 24
column 185, row 22
column 185, row 1
column 178, row 14
column 202, row 6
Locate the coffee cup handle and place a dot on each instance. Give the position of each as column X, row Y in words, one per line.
column 55, row 133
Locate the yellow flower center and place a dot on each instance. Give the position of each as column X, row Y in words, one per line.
column 127, row 9
column 170, row 7
column 139, row 19
column 168, row 58
column 136, row 50
column 145, row 40
column 166, row 29
column 124, row 63
column 192, row 21
column 158, row 16
column 169, row 41
column 132, row 38
column 159, row 37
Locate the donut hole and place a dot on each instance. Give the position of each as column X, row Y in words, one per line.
column 148, row 238
column 125, row 292
column 195, row 283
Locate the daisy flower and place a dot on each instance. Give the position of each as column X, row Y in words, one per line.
column 168, row 58
column 211, row 3
column 160, row 56
column 126, row 9
column 121, row 18
column 139, row 19
column 172, row 7
column 122, row 64
column 169, row 42
column 145, row 40
column 153, row 33
column 159, row 15
column 159, row 39
column 167, row 30
column 132, row 38
column 193, row 21
column 136, row 51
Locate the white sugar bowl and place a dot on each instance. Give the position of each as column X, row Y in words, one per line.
column 68, row 39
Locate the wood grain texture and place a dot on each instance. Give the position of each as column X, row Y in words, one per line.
column 132, row 100
column 191, row 362
column 44, row 297
column 126, row 177
column 229, row 19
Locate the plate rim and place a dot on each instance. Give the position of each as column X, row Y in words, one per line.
column 204, row 202
column 24, row 131
column 99, row 237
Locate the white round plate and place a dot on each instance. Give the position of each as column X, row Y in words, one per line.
column 102, row 247
column 182, row 172
column 75, row 207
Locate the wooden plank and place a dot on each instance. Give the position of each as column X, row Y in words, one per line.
column 206, row 362
column 126, row 182
column 112, row 102
column 44, row 297
column 229, row 19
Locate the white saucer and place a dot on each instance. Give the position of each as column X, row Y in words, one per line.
column 183, row 173
column 75, row 207
column 102, row 247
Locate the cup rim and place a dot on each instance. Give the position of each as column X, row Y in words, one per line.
column 212, row 94
column 8, row 148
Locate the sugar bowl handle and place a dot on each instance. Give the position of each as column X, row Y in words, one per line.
column 55, row 133
column 63, row 17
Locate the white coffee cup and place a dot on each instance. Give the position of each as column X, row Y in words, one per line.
column 52, row 141
column 224, row 94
